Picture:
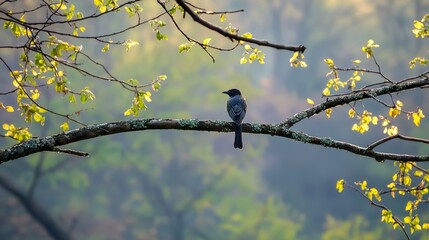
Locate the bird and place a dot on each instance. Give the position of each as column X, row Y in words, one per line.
column 236, row 107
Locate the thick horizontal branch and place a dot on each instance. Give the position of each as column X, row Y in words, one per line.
column 51, row 143
column 356, row 96
column 224, row 33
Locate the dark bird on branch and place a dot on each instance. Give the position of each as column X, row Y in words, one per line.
column 236, row 107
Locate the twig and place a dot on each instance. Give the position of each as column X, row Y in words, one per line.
column 353, row 97
column 236, row 37
column 386, row 139
column 201, row 10
column 70, row 151
column 36, row 103
column 204, row 47
column 396, row 219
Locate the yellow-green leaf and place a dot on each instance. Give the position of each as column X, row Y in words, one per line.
column 330, row 62
column 351, row 113
column 328, row 112
column 417, row 116
column 35, row 94
column 162, row 77
column 247, row 35
column 206, row 42
column 105, row 48
column 103, row 8
column 374, row 120
column 326, row 92
column 147, row 96
column 409, row 206
column 65, row 126
column 418, row 24
column 243, row 60
column 98, row 2
column 418, row 173
column 6, row 126
column 39, row 118
column 340, row 185
column 407, row 219
column 50, row 80
column 222, row 17
column 407, row 180
column 393, row 112
column 363, row 185
column 128, row 112
column 9, row 109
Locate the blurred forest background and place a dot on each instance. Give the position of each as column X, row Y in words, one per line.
column 195, row 185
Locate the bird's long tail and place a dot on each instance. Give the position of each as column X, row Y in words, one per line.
column 238, row 142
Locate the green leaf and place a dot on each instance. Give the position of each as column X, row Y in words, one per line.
column 133, row 81
column 329, row 61
column 418, row 24
column 409, row 206
column 222, row 17
column 105, row 48
column 247, row 35
column 72, row 98
column 147, row 96
column 206, row 42
column 98, row 2
column 86, row 94
column 161, row 36
column 130, row 43
column 83, row 98
column 103, row 8
column 407, row 219
column 340, row 185
column 162, row 77
column 185, row 47
column 50, row 80
column 128, row 112
column 38, row 117
column 156, row 86
column 65, row 126
column 243, row 60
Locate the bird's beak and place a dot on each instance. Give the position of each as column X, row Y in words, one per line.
column 226, row 92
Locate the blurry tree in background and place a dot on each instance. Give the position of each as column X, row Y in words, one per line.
column 63, row 58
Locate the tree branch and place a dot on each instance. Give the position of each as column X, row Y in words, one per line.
column 49, row 143
column 229, row 35
column 356, row 96
column 407, row 138
column 396, row 219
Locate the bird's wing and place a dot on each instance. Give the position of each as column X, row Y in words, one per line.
column 237, row 112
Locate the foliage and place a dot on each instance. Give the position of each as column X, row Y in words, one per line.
column 47, row 53
column 177, row 185
column 402, row 180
